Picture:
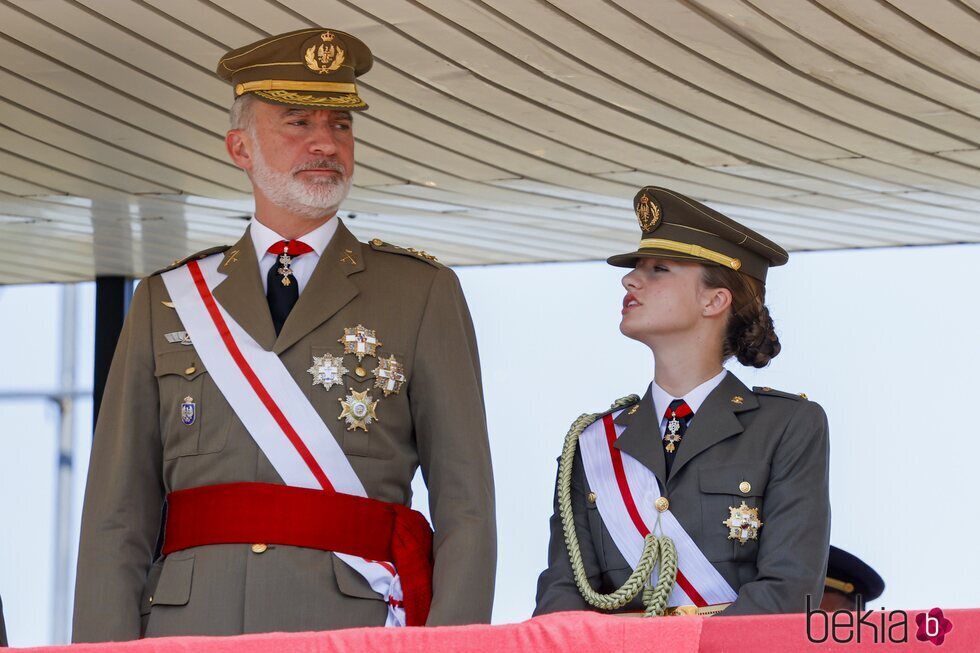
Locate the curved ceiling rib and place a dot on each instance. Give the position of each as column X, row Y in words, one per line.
column 500, row 131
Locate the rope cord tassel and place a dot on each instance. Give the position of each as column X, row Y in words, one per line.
column 654, row 548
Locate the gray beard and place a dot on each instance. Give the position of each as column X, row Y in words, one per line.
column 308, row 200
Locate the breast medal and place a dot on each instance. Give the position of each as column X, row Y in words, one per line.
column 358, row 410
column 328, row 370
column 360, row 341
column 389, row 375
column 743, row 523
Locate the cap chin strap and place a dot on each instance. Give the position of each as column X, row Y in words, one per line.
column 291, row 85
column 839, row 585
column 691, row 250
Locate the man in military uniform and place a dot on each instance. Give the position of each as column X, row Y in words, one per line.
column 848, row 578
column 276, row 412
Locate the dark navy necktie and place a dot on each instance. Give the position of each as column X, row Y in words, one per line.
column 678, row 415
column 282, row 291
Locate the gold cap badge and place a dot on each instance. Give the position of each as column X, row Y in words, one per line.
column 325, row 58
column 647, row 212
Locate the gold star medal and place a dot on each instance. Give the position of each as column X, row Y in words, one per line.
column 743, row 523
column 328, row 370
column 358, row 410
column 360, row 341
column 389, row 375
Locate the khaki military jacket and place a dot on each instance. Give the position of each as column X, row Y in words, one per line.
column 777, row 443
column 143, row 450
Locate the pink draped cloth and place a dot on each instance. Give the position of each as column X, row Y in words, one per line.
column 568, row 632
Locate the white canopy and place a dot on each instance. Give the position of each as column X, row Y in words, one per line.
column 500, row 131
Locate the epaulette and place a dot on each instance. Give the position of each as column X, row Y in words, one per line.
column 382, row 246
column 769, row 392
column 629, row 401
column 204, row 253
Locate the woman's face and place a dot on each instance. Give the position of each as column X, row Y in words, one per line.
column 663, row 298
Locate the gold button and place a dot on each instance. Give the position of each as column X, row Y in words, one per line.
column 591, row 497
column 745, row 486
column 190, row 370
column 259, row 548
column 151, row 599
column 377, row 242
column 803, row 395
column 661, row 504
column 360, row 371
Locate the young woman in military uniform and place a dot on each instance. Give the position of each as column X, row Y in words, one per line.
column 726, row 485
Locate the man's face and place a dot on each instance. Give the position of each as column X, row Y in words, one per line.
column 302, row 160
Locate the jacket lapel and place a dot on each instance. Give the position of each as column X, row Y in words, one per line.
column 716, row 420
column 241, row 294
column 327, row 291
column 641, row 438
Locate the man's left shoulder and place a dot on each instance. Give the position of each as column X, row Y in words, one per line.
column 379, row 245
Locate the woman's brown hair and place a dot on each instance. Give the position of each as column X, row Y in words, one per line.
column 750, row 336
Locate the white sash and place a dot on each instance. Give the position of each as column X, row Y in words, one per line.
column 273, row 408
column 625, row 494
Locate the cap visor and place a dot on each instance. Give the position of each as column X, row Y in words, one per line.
column 630, row 260
column 350, row 102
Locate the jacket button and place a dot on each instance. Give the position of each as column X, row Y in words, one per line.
column 591, row 497
column 745, row 487
column 661, row 504
column 190, row 370
column 259, row 548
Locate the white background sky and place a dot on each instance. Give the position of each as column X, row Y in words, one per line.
column 886, row 340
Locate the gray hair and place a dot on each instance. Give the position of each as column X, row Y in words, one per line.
column 241, row 114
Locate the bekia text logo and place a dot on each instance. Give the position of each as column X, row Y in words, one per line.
column 933, row 626
column 876, row 626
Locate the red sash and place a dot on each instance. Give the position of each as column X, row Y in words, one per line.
column 330, row 521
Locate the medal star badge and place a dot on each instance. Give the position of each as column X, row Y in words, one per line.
column 358, row 410
column 743, row 523
column 328, row 370
column 389, row 375
column 360, row 341
column 188, row 411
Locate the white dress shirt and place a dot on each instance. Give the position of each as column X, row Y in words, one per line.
column 694, row 398
column 302, row 266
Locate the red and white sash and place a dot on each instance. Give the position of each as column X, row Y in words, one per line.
column 625, row 495
column 273, row 408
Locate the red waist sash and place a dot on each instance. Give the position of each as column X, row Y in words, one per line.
column 243, row 513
